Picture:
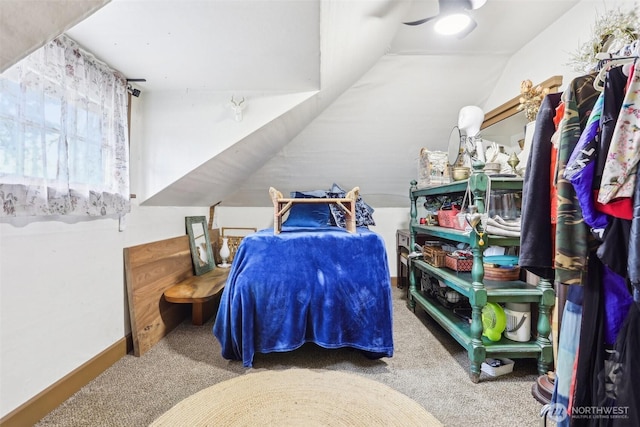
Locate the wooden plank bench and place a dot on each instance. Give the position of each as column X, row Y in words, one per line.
column 281, row 206
column 151, row 269
column 198, row 290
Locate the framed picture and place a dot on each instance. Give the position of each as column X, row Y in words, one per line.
column 200, row 244
column 234, row 236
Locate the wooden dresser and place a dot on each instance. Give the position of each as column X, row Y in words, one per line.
column 403, row 238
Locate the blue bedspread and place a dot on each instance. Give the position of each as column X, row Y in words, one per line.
column 325, row 286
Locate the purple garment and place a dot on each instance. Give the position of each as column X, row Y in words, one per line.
column 581, row 167
column 617, row 301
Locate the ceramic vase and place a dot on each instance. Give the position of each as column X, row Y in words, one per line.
column 225, row 252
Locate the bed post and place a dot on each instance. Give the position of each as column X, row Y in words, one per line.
column 351, row 213
column 277, row 218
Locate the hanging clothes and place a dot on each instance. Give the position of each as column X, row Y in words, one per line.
column 634, row 247
column 572, row 235
column 580, row 171
column 536, row 251
column 567, row 350
column 590, row 355
column 581, row 167
column 593, row 374
column 607, row 301
column 553, row 194
column 624, row 369
column 614, row 92
column 619, row 177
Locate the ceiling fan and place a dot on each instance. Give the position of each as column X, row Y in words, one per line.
column 453, row 17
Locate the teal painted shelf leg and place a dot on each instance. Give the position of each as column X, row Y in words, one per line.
column 411, row 302
column 478, row 297
column 545, row 361
column 476, row 351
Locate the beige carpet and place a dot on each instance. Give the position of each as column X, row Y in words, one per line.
column 297, row 397
column 428, row 365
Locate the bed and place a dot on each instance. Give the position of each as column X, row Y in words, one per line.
column 310, row 283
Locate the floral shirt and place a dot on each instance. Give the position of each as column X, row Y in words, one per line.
column 619, row 175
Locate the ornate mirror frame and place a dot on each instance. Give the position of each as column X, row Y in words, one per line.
column 200, row 244
column 510, row 107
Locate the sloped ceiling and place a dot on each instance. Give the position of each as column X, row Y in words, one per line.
column 384, row 90
column 27, row 25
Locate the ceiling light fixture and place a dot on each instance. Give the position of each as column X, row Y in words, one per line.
column 449, row 25
column 453, row 17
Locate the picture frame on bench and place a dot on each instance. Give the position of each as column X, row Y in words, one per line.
column 200, row 244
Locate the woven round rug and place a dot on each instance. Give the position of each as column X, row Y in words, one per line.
column 297, row 397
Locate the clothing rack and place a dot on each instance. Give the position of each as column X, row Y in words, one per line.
column 628, row 50
column 607, row 61
column 604, row 61
column 629, row 54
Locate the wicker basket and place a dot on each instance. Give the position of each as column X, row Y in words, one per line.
column 447, row 218
column 434, row 255
column 501, row 273
column 459, row 264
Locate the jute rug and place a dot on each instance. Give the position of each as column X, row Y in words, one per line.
column 297, row 397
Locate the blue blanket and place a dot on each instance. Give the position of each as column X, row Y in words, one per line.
column 321, row 285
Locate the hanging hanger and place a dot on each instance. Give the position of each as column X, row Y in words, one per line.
column 628, row 54
column 607, row 64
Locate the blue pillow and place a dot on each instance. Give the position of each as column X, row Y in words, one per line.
column 308, row 214
column 364, row 212
column 314, row 194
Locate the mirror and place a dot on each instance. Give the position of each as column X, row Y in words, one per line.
column 505, row 125
column 200, row 244
column 508, row 132
column 503, row 134
column 455, row 145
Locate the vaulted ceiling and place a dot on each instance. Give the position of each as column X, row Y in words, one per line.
column 370, row 90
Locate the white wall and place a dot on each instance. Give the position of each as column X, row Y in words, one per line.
column 63, row 298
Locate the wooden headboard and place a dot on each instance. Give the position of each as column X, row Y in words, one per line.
column 150, row 269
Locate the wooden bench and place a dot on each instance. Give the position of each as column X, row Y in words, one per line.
column 198, row 290
column 161, row 285
column 281, row 206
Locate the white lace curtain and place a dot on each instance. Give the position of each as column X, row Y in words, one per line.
column 63, row 135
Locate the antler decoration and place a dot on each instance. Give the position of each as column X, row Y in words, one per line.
column 237, row 108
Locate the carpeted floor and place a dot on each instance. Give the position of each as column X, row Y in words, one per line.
column 428, row 366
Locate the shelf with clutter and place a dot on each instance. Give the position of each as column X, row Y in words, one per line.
column 463, row 288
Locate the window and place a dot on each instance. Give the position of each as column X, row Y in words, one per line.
column 63, row 135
